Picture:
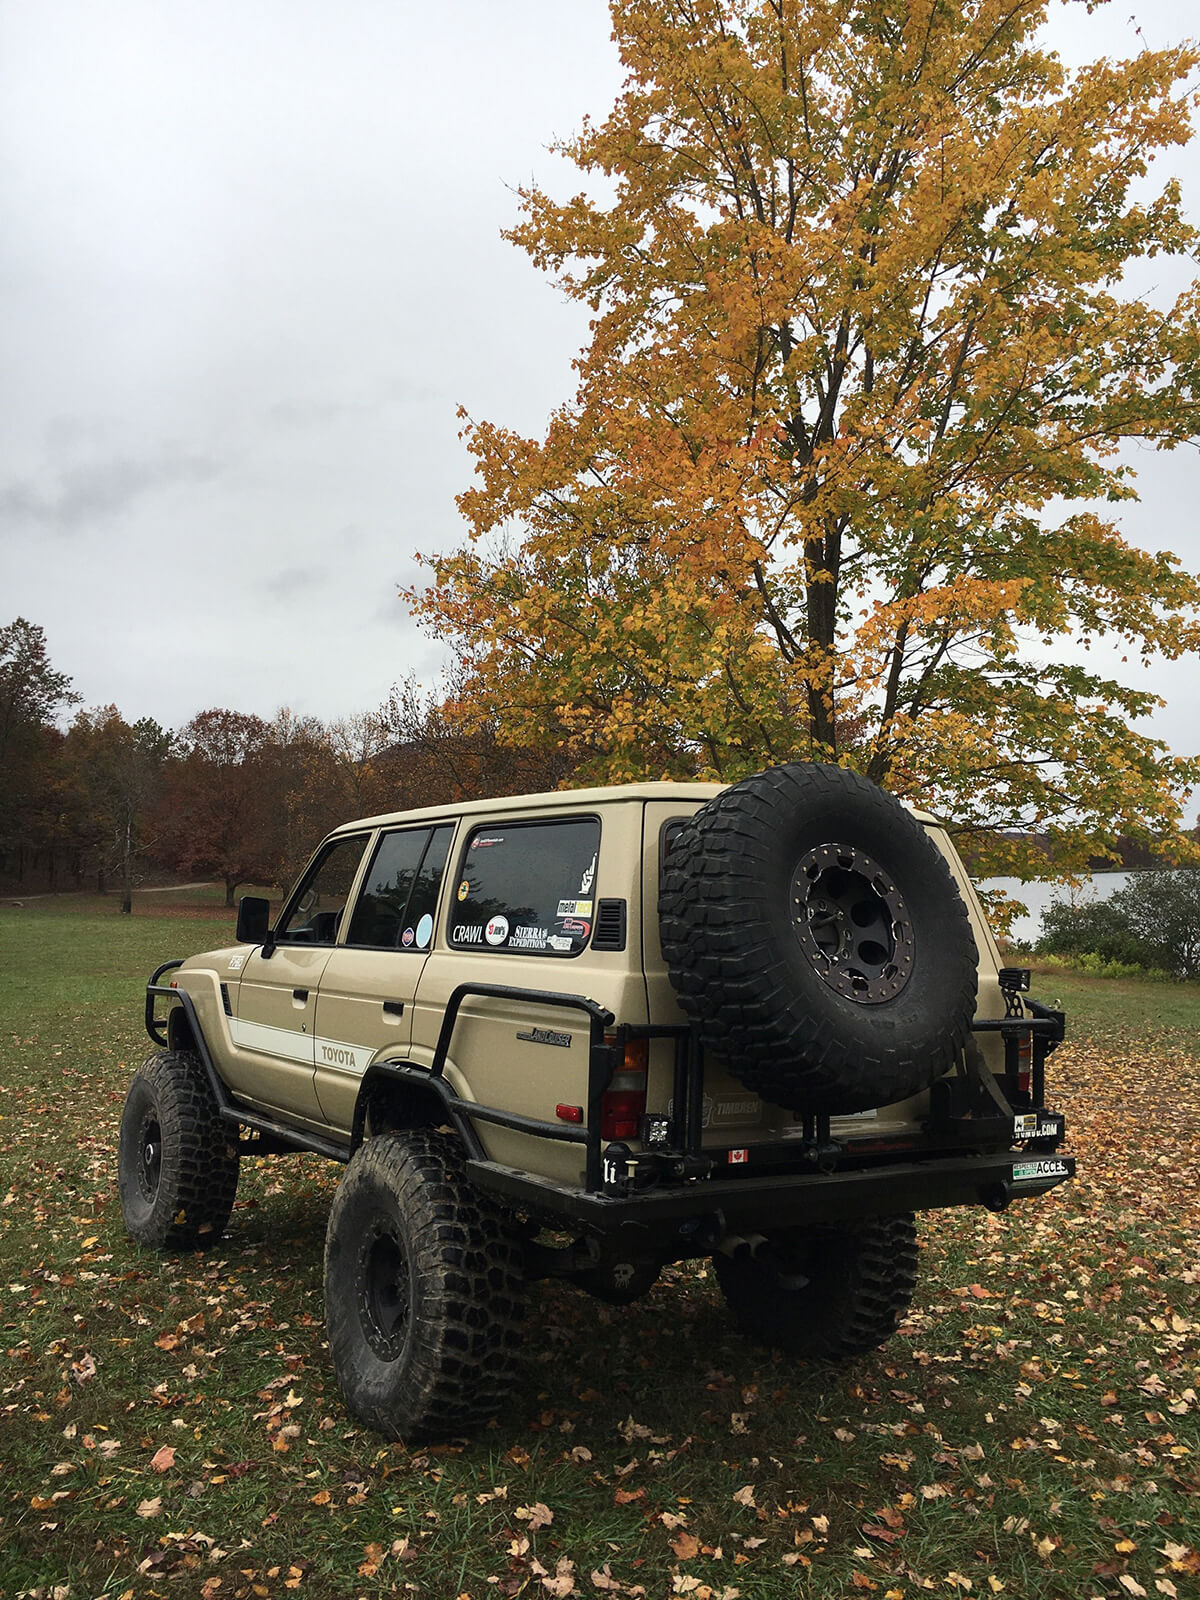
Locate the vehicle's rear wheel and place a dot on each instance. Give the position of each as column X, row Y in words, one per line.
column 177, row 1159
column 423, row 1290
column 813, row 931
column 824, row 1293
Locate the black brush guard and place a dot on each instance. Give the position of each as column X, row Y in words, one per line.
column 964, row 1154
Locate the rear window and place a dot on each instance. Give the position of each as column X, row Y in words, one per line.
column 399, row 894
column 527, row 888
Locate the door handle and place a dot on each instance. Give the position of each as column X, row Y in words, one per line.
column 393, row 1008
column 299, row 994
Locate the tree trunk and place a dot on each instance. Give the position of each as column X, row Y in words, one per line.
column 127, row 870
column 230, row 886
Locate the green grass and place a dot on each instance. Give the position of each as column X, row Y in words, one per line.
column 1123, row 1012
column 1032, row 1426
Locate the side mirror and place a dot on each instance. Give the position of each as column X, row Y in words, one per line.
column 253, row 920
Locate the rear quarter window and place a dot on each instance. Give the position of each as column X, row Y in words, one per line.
column 527, row 888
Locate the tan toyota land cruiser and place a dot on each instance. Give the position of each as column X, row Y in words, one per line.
column 586, row 1034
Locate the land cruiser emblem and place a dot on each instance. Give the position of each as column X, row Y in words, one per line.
column 546, row 1036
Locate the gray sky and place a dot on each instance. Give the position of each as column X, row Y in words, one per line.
column 249, row 265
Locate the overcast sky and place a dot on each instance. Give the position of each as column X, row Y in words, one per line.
column 249, row 266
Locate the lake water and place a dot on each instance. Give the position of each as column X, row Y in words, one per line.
column 1038, row 894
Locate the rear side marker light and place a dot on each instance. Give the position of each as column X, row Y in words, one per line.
column 569, row 1113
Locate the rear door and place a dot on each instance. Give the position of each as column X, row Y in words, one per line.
column 365, row 1002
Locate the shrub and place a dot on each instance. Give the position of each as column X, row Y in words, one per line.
column 1152, row 923
column 1092, row 928
column 1162, row 913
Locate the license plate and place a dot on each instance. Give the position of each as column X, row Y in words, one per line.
column 1031, row 1171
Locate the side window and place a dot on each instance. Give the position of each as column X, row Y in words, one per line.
column 527, row 888
column 314, row 912
column 399, row 893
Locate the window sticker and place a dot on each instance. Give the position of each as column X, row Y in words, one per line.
column 424, row 932
column 519, row 894
column 574, row 908
column 407, row 937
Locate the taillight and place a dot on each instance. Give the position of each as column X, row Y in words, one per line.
column 623, row 1103
column 1025, row 1063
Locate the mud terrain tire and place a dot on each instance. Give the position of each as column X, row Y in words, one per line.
column 813, row 930
column 828, row 1293
column 423, row 1290
column 177, row 1159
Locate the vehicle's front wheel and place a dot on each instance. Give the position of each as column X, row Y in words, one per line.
column 423, row 1290
column 177, row 1160
column 824, row 1293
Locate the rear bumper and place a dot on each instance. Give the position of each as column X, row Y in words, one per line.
column 791, row 1201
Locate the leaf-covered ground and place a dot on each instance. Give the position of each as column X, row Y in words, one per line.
column 171, row 1427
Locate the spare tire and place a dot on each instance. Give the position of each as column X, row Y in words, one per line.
column 813, row 931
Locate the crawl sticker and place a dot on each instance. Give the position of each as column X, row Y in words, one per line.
column 574, row 908
column 467, row 933
column 496, row 931
column 1031, row 1171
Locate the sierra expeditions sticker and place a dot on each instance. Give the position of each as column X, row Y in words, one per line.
column 574, row 908
column 424, row 931
column 526, row 938
column 1031, row 1171
column 497, row 929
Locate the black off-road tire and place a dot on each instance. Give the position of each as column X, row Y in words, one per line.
column 827, row 1294
column 177, row 1159
column 744, row 888
column 424, row 1290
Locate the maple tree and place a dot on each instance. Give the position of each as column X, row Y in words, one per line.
column 834, row 481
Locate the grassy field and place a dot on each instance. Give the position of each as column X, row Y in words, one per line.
column 171, row 1427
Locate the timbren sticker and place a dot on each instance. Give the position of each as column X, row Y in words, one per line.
column 1031, row 1171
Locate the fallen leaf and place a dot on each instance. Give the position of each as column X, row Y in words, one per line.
column 150, row 1508
column 163, row 1460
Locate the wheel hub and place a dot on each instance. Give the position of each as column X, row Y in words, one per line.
column 149, row 1168
column 852, row 923
column 384, row 1293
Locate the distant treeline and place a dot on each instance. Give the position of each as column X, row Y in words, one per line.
column 228, row 795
